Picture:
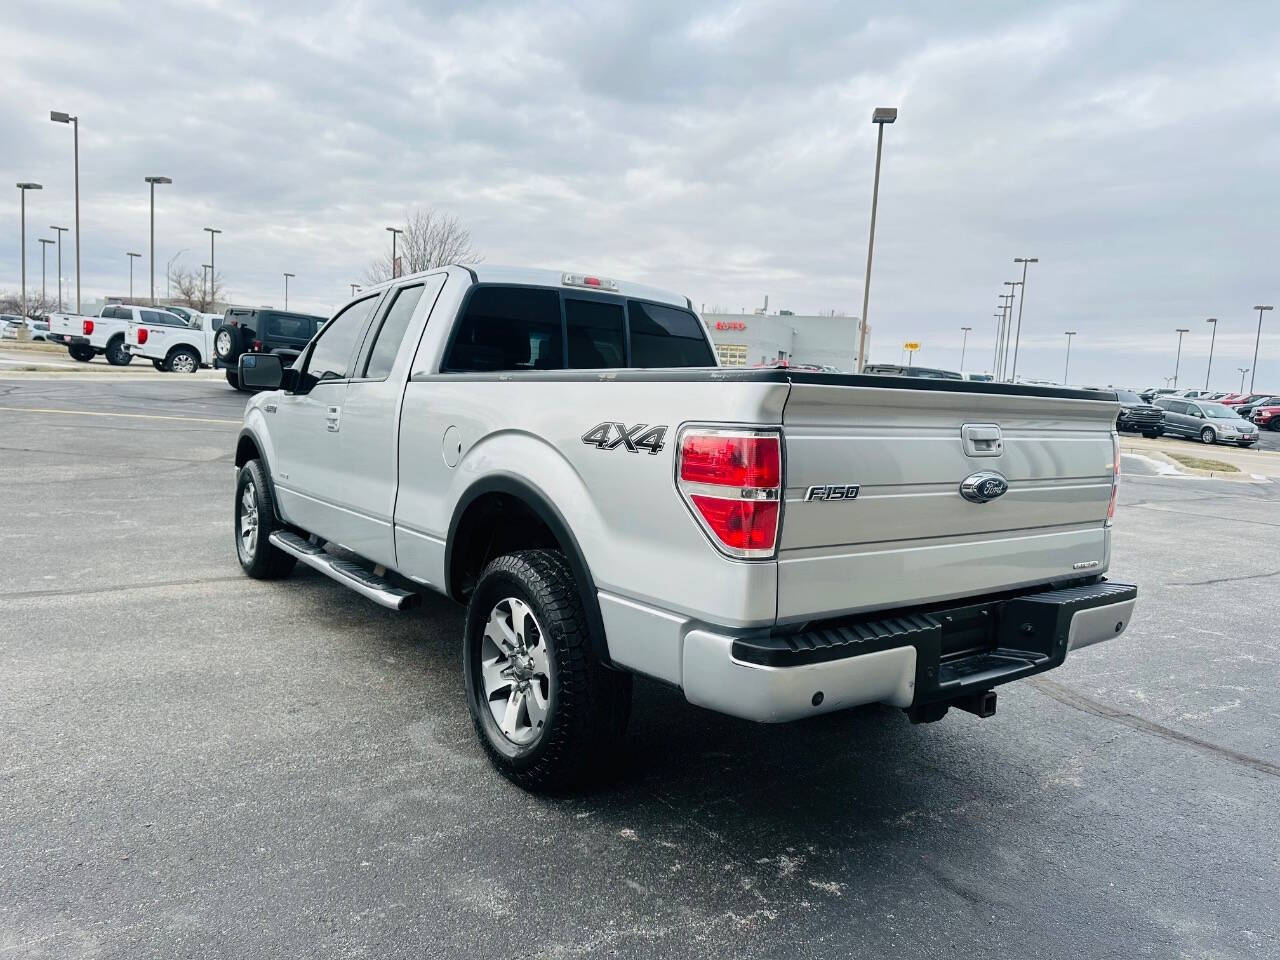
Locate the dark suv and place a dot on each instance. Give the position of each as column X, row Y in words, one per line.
column 261, row 331
column 1138, row 416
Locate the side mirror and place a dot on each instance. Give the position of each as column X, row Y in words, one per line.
column 263, row 371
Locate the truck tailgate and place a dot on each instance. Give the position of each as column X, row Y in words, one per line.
column 909, row 536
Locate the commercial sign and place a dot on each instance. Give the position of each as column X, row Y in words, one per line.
column 730, row 325
column 911, row 345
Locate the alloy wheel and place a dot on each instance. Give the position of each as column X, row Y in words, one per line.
column 248, row 521
column 516, row 670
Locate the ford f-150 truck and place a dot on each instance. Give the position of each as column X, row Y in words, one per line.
column 87, row 337
column 561, row 453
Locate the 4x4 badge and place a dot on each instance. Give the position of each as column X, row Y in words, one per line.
column 610, row 435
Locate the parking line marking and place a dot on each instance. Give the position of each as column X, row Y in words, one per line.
column 102, row 413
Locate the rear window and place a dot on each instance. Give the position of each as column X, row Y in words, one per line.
column 666, row 337
column 523, row 328
column 596, row 334
column 283, row 326
column 508, row 328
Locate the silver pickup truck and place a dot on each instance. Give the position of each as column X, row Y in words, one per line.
column 561, row 453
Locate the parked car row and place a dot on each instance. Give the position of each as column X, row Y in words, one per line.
column 11, row 323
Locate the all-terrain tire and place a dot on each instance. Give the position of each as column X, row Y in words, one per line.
column 81, row 352
column 116, row 354
column 258, row 557
column 182, row 360
column 587, row 704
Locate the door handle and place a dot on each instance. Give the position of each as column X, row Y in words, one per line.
column 333, row 419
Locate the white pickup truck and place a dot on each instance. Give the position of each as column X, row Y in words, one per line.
column 88, row 337
column 560, row 453
column 175, row 348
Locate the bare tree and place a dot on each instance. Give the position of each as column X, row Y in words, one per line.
column 37, row 306
column 430, row 239
column 195, row 289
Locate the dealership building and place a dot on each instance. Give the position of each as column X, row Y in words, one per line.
column 751, row 339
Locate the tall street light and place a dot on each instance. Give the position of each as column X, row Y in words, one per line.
column 1017, row 337
column 132, row 257
column 354, row 288
column 879, row 116
column 1006, row 305
column 1212, row 337
column 1256, row 341
column 999, row 315
column 1067, row 368
column 395, row 232
column 44, row 248
column 286, row 288
column 1178, row 362
column 1243, row 371
column 206, row 271
column 963, row 344
column 57, row 116
column 153, row 181
column 61, row 231
column 22, row 193
column 1013, row 286
column 213, row 277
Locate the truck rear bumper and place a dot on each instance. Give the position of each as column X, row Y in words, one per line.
column 933, row 654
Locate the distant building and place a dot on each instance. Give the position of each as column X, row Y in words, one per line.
column 751, row 339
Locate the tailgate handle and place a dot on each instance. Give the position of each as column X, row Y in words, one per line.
column 982, row 439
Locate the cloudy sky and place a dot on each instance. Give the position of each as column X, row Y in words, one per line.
column 724, row 150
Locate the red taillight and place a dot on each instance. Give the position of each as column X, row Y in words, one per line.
column 88, row 328
column 257, row 346
column 732, row 479
column 1115, row 477
column 142, row 335
column 731, row 461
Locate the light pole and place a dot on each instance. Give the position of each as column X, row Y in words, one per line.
column 22, row 193
column 61, row 231
column 879, row 116
column 57, row 116
column 132, row 257
column 354, row 288
column 999, row 315
column 1066, row 369
column 206, row 271
column 395, row 232
column 1006, row 309
column 964, row 344
column 1013, row 286
column 286, row 288
column 44, row 248
column 1243, row 371
column 153, row 181
column 213, row 277
column 1256, row 341
column 1178, row 362
column 1017, row 337
column 1212, row 337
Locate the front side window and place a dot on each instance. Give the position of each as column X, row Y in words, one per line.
column 331, row 355
column 387, row 341
column 508, row 328
column 596, row 334
column 666, row 337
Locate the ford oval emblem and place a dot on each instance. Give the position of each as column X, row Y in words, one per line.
column 983, row 487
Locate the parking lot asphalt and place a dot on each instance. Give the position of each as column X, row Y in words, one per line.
column 196, row 764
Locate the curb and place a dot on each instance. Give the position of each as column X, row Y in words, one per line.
column 1238, row 475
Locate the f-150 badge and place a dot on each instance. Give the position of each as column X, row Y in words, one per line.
column 611, row 435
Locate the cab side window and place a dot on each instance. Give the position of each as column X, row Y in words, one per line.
column 387, row 340
column 508, row 328
column 332, row 353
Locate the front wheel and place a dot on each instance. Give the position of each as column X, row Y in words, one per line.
column 117, row 355
column 549, row 714
column 255, row 520
column 1208, row 436
column 1151, row 434
column 182, row 360
column 81, row 352
column 158, row 364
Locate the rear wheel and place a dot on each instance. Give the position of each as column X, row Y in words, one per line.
column 182, row 360
column 549, row 714
column 1207, row 435
column 81, row 352
column 224, row 345
column 1151, row 434
column 117, row 355
column 255, row 520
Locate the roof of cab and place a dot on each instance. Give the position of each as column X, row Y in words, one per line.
column 533, row 276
